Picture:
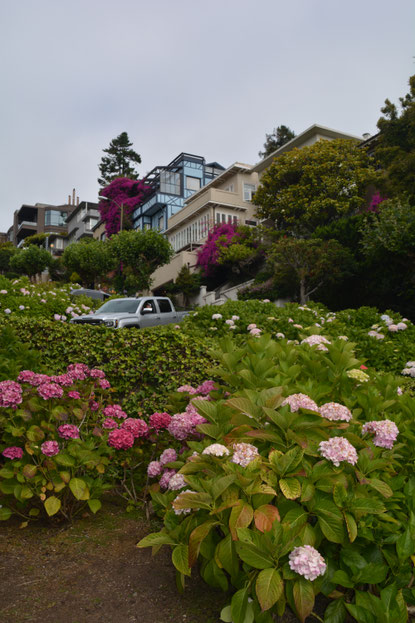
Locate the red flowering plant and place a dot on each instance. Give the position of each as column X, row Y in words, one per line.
column 57, row 435
column 121, row 192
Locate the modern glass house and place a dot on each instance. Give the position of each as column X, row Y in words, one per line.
column 170, row 186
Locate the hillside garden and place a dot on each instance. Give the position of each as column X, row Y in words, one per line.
column 271, row 449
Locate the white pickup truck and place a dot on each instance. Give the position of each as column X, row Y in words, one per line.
column 146, row 311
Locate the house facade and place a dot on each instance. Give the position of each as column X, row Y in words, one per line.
column 40, row 218
column 226, row 199
column 81, row 221
column 170, row 186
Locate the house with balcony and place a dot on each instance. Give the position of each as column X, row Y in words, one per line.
column 226, row 199
column 82, row 221
column 41, row 218
column 170, row 186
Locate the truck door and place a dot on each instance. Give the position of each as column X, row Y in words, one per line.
column 167, row 313
column 149, row 316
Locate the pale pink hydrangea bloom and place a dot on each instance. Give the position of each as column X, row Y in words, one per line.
column 244, row 453
column 393, row 328
column 401, row 326
column 57, row 316
column 235, row 318
column 408, row 372
column 180, row 426
column 3, row 291
column 21, row 307
column 50, row 390
column 206, row 387
column 338, row 449
column 121, row 439
column 7, row 311
column 255, row 332
column 410, row 364
column 298, row 326
column 251, row 326
column 104, row 384
column 165, row 478
column 280, row 336
column 335, row 412
column 266, row 301
column 229, row 322
column 216, row 316
column 216, row 449
column 385, row 432
column 154, row 469
column 68, row 310
column 168, row 456
column 399, row 391
column 68, row 431
column 313, row 340
column 159, row 421
column 10, row 394
column 187, row 388
column 307, row 561
column 95, row 373
column 176, row 326
column 50, row 448
column 176, row 482
column 300, row 401
column 13, row 452
column 290, row 320
column 137, row 427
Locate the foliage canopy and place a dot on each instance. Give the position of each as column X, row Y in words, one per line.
column 120, row 160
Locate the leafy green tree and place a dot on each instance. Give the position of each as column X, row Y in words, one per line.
column 315, row 185
column 7, row 251
column 395, row 150
column 140, row 253
column 306, row 265
column 90, row 259
column 391, row 229
column 244, row 253
column 278, row 137
column 38, row 239
column 30, row 261
column 187, row 283
column 119, row 162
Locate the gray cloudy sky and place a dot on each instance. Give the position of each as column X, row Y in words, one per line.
column 209, row 78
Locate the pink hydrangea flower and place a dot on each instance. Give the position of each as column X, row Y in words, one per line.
column 255, row 332
column 216, row 449
column 251, row 326
column 314, row 340
column 206, row 387
column 114, row 411
column 334, row 411
column 176, row 482
column 154, row 469
column 95, row 373
column 93, row 405
column 121, row 439
column 181, row 426
column 300, row 401
column 13, row 452
column 307, row 561
column 187, row 388
column 168, row 456
column 26, row 376
column 393, row 328
column 57, row 316
column 63, row 379
column 338, row 449
column 68, row 431
column 234, row 318
column 401, row 326
column 159, row 421
column 104, row 384
column 138, row 428
column 7, row 311
column 385, row 432
column 50, row 448
column 78, row 371
column 165, row 478
column 109, row 423
column 216, row 316
column 244, row 453
column 74, row 395
column 10, row 394
column 50, row 390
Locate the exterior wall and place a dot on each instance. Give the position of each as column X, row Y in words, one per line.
column 81, row 221
column 99, row 231
column 39, row 219
column 168, row 273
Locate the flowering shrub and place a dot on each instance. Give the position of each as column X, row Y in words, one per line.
column 208, row 255
column 301, row 482
column 121, row 191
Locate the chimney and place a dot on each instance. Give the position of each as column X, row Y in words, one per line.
column 73, row 196
column 77, row 201
column 69, row 200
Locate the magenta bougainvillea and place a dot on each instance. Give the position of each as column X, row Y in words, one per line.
column 375, row 202
column 220, row 236
column 125, row 192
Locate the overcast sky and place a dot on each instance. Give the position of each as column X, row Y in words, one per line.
column 210, row 78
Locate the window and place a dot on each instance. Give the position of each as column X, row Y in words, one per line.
column 251, row 223
column 90, row 223
column 249, row 190
column 148, row 306
column 164, row 306
column 81, row 215
column 192, row 183
column 55, row 218
column 170, row 183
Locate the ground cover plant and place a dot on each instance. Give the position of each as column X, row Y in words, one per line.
column 302, row 484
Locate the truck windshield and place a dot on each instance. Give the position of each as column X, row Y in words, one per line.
column 127, row 306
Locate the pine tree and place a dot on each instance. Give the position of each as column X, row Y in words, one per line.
column 277, row 139
column 119, row 161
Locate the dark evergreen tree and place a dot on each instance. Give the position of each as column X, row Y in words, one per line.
column 119, row 162
column 276, row 139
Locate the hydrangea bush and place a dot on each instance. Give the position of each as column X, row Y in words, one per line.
column 302, row 482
